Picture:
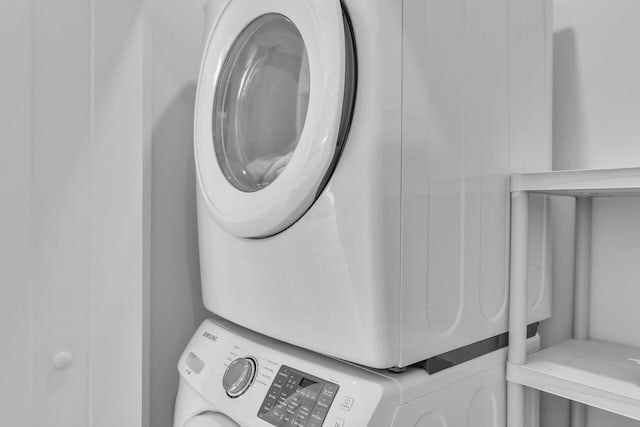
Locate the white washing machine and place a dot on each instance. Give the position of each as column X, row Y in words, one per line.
column 232, row 377
column 352, row 167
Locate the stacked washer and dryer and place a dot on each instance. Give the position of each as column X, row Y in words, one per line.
column 352, row 162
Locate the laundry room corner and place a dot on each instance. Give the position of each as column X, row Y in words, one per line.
column 176, row 307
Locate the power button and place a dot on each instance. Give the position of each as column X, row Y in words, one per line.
column 347, row 403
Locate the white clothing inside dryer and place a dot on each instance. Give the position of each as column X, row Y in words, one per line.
column 266, row 169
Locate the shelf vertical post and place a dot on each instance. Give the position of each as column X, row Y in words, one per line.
column 581, row 289
column 582, row 269
column 518, row 302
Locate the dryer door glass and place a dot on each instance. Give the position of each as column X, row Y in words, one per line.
column 261, row 102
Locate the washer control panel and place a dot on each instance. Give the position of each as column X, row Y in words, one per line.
column 297, row 399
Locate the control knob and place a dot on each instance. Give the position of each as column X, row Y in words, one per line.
column 239, row 376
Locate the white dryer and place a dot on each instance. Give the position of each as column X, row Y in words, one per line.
column 352, row 167
column 231, row 377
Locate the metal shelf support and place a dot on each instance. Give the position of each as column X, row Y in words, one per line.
column 581, row 290
column 518, row 302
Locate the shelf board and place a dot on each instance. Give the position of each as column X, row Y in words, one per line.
column 596, row 373
column 580, row 183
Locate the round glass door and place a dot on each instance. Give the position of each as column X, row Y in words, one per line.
column 260, row 103
column 273, row 109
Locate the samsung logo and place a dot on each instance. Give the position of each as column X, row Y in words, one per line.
column 210, row 336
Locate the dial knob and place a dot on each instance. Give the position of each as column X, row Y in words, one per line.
column 239, row 376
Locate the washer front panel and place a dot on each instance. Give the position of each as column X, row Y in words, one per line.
column 292, row 387
column 467, row 395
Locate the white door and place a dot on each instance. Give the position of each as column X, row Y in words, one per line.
column 273, row 109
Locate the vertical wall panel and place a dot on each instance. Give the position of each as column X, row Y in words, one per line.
column 60, row 215
column 72, row 225
column 16, row 284
column 118, row 217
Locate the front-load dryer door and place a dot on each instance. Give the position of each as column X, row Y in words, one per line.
column 211, row 419
column 273, row 108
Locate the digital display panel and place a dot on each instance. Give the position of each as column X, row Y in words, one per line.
column 306, row 382
column 297, row 399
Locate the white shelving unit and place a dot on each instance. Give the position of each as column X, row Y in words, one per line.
column 589, row 372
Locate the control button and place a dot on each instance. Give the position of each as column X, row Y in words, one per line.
column 284, row 370
column 239, row 376
column 318, row 414
column 338, row 422
column 287, row 418
column 309, row 393
column 314, row 423
column 307, row 403
column 324, row 402
column 293, row 404
column 277, row 413
column 347, row 403
column 194, row 363
column 304, row 413
column 267, row 406
column 286, row 393
column 305, row 408
column 328, row 391
column 330, row 388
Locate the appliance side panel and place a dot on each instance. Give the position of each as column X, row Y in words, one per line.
column 366, row 185
column 478, row 401
column 531, row 50
column 462, row 138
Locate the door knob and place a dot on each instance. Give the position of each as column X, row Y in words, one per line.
column 62, row 360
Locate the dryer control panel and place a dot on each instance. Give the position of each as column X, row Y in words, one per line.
column 297, row 399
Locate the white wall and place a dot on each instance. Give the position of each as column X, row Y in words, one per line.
column 60, row 202
column 597, row 125
column 72, row 147
column 16, row 284
column 76, row 255
column 119, row 214
column 176, row 302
